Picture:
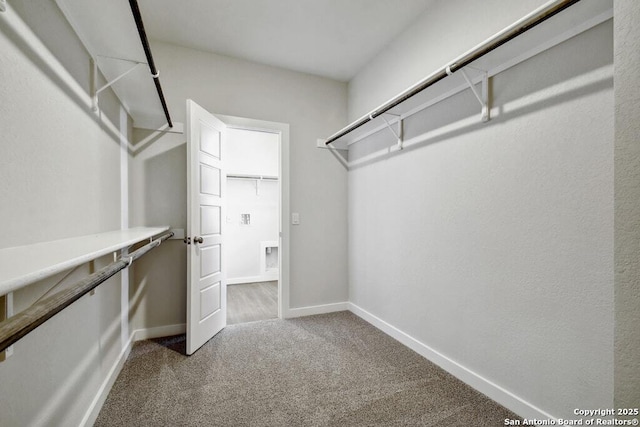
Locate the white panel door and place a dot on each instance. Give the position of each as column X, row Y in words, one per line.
column 206, row 280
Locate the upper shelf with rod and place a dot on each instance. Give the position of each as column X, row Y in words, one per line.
column 545, row 27
column 113, row 33
column 23, row 265
column 16, row 327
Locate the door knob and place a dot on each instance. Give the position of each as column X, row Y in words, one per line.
column 198, row 239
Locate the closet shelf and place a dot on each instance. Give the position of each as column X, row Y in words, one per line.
column 114, row 37
column 542, row 29
column 23, row 265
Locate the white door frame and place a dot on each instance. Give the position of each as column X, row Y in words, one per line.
column 282, row 129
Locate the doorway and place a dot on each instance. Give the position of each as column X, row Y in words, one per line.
column 256, row 262
column 252, row 227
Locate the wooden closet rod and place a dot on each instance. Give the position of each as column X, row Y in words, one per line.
column 16, row 327
column 523, row 25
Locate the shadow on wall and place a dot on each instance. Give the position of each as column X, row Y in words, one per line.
column 422, row 127
column 144, row 138
column 50, row 27
column 84, row 348
column 157, row 294
column 165, row 197
column 515, row 87
column 158, row 285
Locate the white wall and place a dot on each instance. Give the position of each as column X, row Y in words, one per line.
column 444, row 31
column 244, row 251
column 492, row 244
column 627, row 197
column 313, row 107
column 59, row 178
column 254, row 154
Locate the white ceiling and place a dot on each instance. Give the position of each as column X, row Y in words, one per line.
column 330, row 38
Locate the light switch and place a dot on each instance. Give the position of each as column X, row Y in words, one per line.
column 295, row 218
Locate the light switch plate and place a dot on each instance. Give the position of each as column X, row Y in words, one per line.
column 295, row 218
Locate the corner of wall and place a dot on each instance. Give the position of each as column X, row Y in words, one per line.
column 627, row 204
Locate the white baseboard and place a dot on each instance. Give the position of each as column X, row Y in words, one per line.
column 316, row 309
column 247, row 279
column 267, row 277
column 483, row 385
column 96, row 404
column 159, row 331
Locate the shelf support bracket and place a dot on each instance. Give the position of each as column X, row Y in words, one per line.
column 94, row 77
column 483, row 97
column 321, row 143
column 399, row 134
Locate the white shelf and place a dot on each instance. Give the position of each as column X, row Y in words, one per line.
column 23, row 265
column 109, row 33
column 568, row 23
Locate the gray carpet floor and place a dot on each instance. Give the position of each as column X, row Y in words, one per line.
column 325, row 370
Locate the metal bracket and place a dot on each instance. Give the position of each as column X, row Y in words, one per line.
column 94, row 76
column 400, row 133
column 483, row 98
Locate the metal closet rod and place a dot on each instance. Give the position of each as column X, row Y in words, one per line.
column 520, row 27
column 147, row 51
column 257, row 177
column 18, row 326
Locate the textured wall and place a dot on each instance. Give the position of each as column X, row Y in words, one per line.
column 59, row 178
column 627, row 203
column 493, row 243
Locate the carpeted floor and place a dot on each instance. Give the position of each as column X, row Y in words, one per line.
column 326, row 370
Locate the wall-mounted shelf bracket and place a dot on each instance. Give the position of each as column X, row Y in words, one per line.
column 321, row 143
column 546, row 27
column 399, row 134
column 94, row 75
column 483, row 97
